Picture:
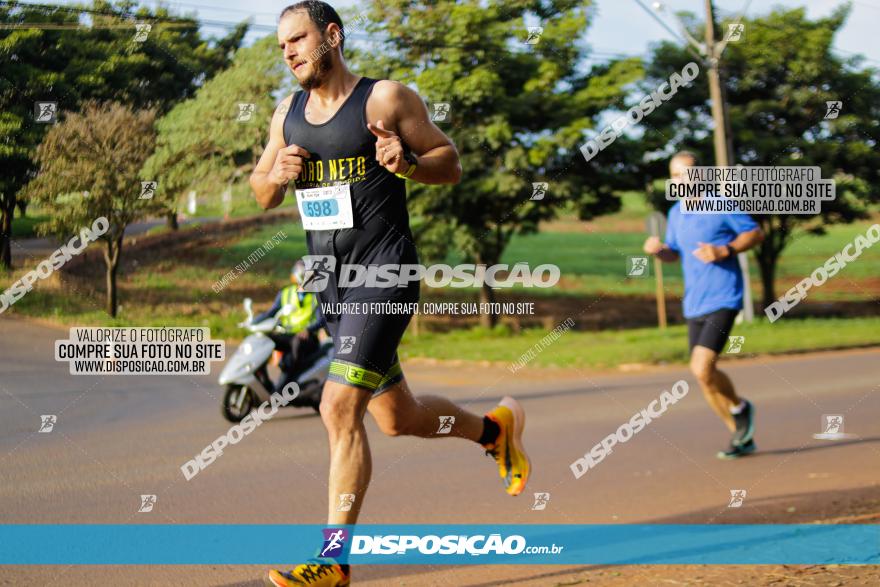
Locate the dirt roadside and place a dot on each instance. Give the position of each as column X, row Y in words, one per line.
column 857, row 506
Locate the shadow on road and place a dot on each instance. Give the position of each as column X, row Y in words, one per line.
column 299, row 414
column 580, row 390
column 858, row 505
column 833, row 506
column 827, row 445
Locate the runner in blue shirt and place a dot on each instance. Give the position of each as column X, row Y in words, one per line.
column 707, row 245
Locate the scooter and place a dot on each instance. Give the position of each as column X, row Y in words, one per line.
column 248, row 367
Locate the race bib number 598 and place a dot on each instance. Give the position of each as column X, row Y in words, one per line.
column 325, row 208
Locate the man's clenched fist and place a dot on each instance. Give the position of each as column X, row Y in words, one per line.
column 653, row 245
column 389, row 149
column 288, row 164
column 710, row 253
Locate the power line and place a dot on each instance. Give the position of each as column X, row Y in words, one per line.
column 674, row 33
column 175, row 21
column 671, row 31
column 865, row 4
column 661, row 22
column 161, row 4
column 91, row 11
column 76, row 26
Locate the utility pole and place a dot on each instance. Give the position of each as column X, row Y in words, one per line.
column 721, row 133
column 722, row 138
column 719, row 110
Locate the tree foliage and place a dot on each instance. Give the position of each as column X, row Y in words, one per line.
column 202, row 143
column 52, row 57
column 88, row 168
column 519, row 113
column 778, row 80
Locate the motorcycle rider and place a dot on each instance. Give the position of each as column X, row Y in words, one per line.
column 301, row 325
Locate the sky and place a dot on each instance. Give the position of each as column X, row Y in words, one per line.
column 621, row 27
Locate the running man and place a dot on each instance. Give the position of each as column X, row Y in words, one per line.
column 347, row 145
column 707, row 245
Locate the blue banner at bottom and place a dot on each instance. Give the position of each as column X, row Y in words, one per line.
column 173, row 544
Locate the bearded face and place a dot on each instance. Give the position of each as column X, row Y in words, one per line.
column 308, row 51
column 316, row 72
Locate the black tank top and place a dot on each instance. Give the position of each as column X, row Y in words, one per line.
column 343, row 151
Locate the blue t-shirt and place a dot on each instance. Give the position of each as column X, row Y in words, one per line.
column 708, row 287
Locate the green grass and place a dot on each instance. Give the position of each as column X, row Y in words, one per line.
column 643, row 345
column 593, row 350
column 242, row 203
column 277, row 263
column 807, row 252
column 590, row 262
column 27, row 227
column 634, row 206
column 596, row 262
column 177, row 290
column 79, row 310
column 210, row 205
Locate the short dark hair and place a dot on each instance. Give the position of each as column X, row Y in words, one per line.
column 320, row 13
column 686, row 155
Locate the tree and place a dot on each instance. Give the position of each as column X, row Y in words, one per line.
column 519, row 112
column 205, row 142
column 778, row 80
column 22, row 80
column 88, row 168
column 52, row 58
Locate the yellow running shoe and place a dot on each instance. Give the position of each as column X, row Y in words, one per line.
column 513, row 462
column 316, row 573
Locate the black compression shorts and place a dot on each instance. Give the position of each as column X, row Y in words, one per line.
column 711, row 330
column 366, row 343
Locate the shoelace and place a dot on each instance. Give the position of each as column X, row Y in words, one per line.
column 493, row 452
column 313, row 572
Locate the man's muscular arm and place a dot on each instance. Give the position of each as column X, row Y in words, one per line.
column 279, row 163
column 398, row 116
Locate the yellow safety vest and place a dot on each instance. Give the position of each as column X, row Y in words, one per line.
column 303, row 312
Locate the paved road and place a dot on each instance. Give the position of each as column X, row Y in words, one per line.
column 119, row 437
column 24, row 249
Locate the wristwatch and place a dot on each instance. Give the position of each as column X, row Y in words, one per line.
column 413, row 161
column 731, row 252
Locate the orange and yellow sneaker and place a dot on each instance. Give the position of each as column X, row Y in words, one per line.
column 315, row 573
column 513, row 462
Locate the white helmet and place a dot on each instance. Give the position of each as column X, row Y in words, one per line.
column 298, row 271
